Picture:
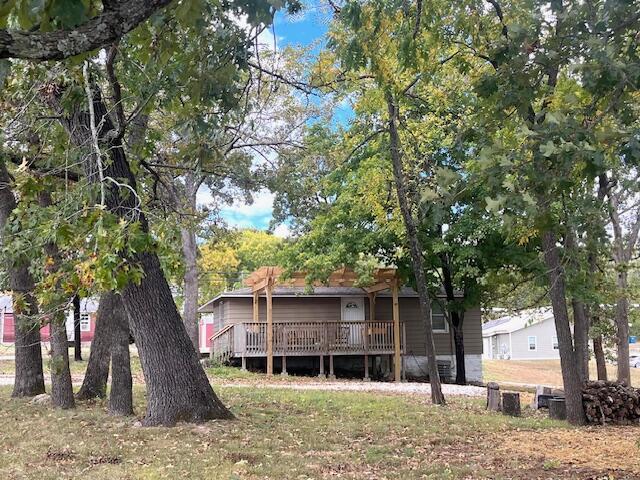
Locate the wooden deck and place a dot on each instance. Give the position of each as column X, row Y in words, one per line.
column 249, row 339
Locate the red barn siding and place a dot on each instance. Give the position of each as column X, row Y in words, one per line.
column 9, row 330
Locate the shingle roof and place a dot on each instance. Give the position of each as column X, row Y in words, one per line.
column 517, row 321
column 283, row 291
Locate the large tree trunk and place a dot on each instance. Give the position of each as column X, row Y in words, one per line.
column 177, row 387
column 77, row 333
column 121, row 395
column 568, row 360
column 601, row 363
column 581, row 338
column 458, row 343
column 29, row 376
column 95, row 378
column 61, row 386
column 416, row 252
column 190, row 315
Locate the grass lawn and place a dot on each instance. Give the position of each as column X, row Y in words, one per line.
column 284, row 434
column 538, row 372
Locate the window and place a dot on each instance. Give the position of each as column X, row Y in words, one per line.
column 532, row 341
column 438, row 319
column 208, row 318
column 554, row 342
column 85, row 322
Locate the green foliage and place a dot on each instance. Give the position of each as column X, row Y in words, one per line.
column 224, row 262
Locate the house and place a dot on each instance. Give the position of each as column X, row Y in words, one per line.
column 333, row 326
column 528, row 335
column 88, row 309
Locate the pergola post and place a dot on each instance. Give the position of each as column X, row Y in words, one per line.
column 256, row 307
column 397, row 362
column 269, row 328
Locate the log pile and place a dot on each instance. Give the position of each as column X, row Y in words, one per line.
column 611, row 402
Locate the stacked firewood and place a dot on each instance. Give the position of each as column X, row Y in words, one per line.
column 611, row 402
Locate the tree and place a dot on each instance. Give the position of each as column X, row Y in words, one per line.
column 546, row 101
column 94, row 384
column 29, row 376
column 177, row 385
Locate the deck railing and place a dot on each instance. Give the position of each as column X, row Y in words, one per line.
column 222, row 344
column 314, row 338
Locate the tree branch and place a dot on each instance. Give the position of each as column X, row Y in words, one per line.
column 114, row 22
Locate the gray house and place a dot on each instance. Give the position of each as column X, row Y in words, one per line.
column 528, row 335
column 334, row 327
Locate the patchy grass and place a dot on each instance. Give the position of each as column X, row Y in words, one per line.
column 538, row 372
column 284, row 434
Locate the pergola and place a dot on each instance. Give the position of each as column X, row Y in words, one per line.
column 265, row 280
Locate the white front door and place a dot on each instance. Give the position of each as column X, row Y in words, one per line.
column 352, row 309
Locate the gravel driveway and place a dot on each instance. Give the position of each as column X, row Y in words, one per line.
column 346, row 386
column 354, row 386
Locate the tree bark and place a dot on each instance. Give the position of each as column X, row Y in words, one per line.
column 568, row 360
column 581, row 338
column 61, row 386
column 114, row 22
column 190, row 256
column 95, row 378
column 177, row 387
column 29, row 376
column 77, row 333
column 601, row 363
column 121, row 395
column 623, row 248
column 416, row 252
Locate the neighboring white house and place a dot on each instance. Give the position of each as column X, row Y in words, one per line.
column 527, row 335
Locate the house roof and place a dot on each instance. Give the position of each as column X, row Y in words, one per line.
column 321, row 291
column 518, row 321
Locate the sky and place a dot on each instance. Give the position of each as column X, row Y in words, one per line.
column 304, row 29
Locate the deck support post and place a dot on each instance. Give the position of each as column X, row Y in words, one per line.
column 284, row 366
column 372, row 316
column 244, row 364
column 269, row 329
column 332, row 375
column 321, row 373
column 397, row 363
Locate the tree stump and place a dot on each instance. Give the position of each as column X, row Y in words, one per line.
column 538, row 402
column 493, row 397
column 557, row 408
column 511, row 404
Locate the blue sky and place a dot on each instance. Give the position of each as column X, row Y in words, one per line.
column 304, row 29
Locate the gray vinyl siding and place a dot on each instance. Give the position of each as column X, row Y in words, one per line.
column 544, row 332
column 309, row 309
column 415, row 331
column 284, row 309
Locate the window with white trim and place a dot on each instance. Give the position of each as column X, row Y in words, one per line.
column 532, row 342
column 85, row 322
column 438, row 320
column 554, row 342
